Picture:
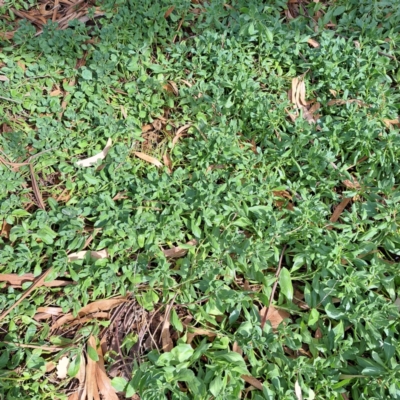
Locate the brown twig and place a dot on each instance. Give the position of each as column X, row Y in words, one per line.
column 36, row 189
column 271, row 298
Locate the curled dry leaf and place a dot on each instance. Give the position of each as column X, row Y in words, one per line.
column 62, row 367
column 193, row 332
column 352, row 185
column 274, row 316
column 313, row 43
column 97, row 306
column 390, row 122
column 236, row 348
column 3, row 78
column 148, row 158
column 297, row 390
column 80, row 255
column 50, row 310
column 169, row 11
column 333, row 92
column 253, row 381
column 87, row 162
column 177, row 252
column 55, row 93
column 168, row 162
column 50, row 366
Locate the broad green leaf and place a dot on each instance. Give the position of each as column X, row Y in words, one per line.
column 285, row 282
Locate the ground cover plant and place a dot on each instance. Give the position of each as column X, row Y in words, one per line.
column 199, row 200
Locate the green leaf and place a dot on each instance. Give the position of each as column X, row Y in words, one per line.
column 87, row 74
column 339, row 10
column 92, row 353
column 285, row 282
column 314, row 317
column 175, row 321
column 74, row 365
column 119, row 384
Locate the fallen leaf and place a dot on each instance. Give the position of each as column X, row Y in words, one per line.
column 339, row 209
column 50, row 310
column 390, row 122
column 148, row 158
column 50, row 366
column 5, row 230
column 333, row 92
column 318, row 334
column 236, row 348
column 97, row 306
column 168, row 162
column 92, row 391
column 87, row 162
column 193, row 332
column 297, row 390
column 103, row 381
column 313, row 43
column 274, row 316
column 169, row 11
column 55, row 93
column 177, row 252
column 3, row 78
column 352, row 185
column 62, row 367
column 167, row 343
column 253, row 381
column 80, row 255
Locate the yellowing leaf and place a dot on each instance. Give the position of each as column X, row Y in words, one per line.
column 87, row 162
column 148, row 158
column 62, row 367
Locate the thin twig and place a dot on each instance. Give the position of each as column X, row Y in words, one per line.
column 36, row 189
column 271, row 298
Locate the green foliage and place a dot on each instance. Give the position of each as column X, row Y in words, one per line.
column 239, row 62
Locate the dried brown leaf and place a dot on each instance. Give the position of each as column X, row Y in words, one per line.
column 97, row 306
column 87, row 162
column 339, row 209
column 168, row 162
column 352, row 185
column 80, row 255
column 295, row 83
column 274, row 316
column 339, row 102
column 302, row 93
column 55, row 93
column 5, row 229
column 123, row 112
column 62, row 367
column 390, row 122
column 148, row 158
column 92, row 391
column 147, row 128
column 50, row 310
column 50, row 366
column 3, row 78
column 169, row 11
column 167, row 343
column 333, row 92
column 177, row 252
column 313, row 43
column 193, row 332
column 236, row 348
column 253, row 381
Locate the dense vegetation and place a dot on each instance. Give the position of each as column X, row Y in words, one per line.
column 217, row 185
